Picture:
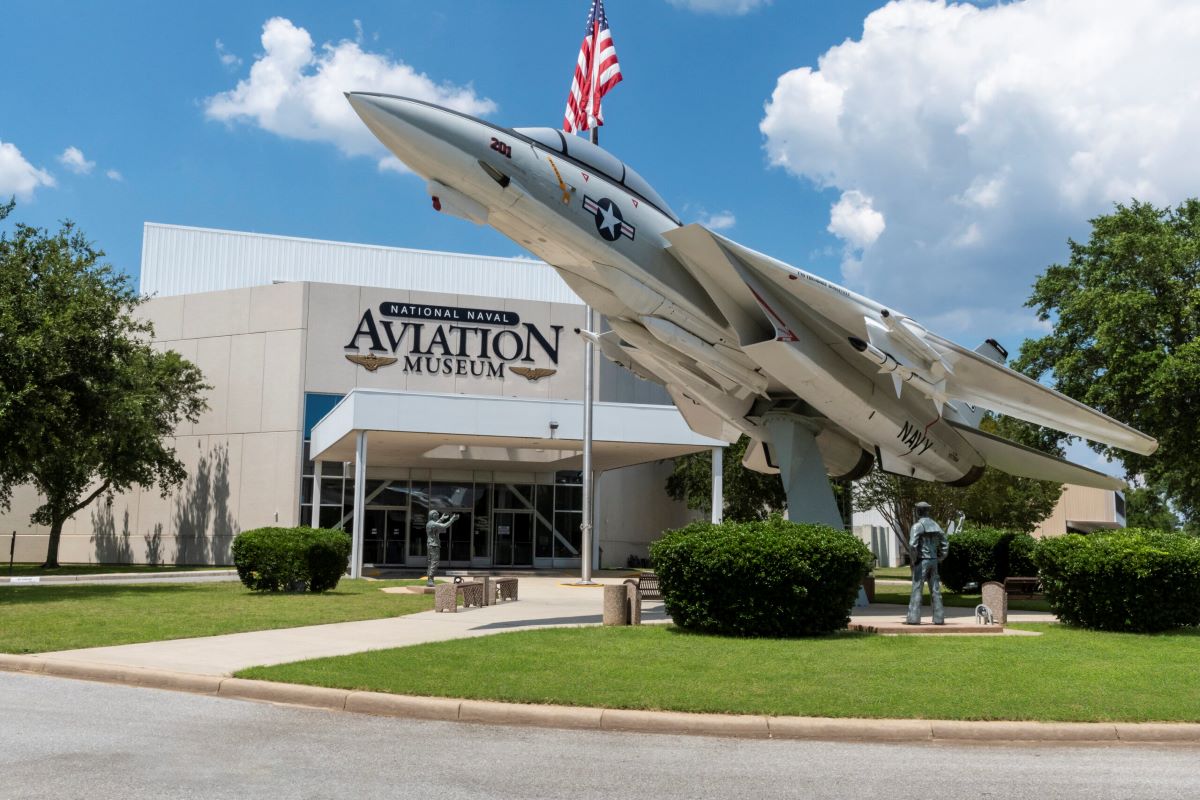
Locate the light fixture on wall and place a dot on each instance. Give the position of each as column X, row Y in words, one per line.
column 553, row 428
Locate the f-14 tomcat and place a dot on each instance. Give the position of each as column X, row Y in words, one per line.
column 822, row 380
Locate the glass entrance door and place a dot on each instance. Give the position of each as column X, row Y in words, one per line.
column 456, row 542
column 513, row 534
column 384, row 535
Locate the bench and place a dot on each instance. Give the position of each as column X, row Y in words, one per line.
column 1024, row 588
column 497, row 590
column 647, row 586
column 445, row 595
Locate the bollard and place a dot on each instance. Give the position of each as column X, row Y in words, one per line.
column 635, row 603
column 615, row 606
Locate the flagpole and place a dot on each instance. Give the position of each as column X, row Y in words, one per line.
column 589, row 511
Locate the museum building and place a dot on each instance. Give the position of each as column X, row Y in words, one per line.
column 404, row 379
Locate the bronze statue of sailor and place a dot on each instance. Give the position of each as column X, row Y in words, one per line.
column 928, row 544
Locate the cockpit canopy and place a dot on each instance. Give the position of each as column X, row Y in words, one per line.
column 600, row 161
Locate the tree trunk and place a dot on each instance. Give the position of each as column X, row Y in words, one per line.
column 56, row 526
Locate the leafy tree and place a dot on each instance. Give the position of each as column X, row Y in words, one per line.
column 997, row 500
column 1146, row 507
column 748, row 495
column 1126, row 316
column 87, row 405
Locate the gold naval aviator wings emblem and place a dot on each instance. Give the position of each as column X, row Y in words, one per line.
column 371, row 362
column 532, row 374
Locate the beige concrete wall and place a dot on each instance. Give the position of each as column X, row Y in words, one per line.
column 633, row 510
column 242, row 455
column 1081, row 504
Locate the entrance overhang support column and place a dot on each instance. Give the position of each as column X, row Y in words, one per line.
column 360, row 503
column 718, row 485
column 314, row 519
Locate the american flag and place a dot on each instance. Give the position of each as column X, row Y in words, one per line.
column 596, row 72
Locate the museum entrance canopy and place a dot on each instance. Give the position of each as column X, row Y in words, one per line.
column 440, row 431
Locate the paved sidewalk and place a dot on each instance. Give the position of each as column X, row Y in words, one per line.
column 544, row 602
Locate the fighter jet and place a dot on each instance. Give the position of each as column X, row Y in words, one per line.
column 824, row 381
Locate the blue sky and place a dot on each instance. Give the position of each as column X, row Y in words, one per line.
column 933, row 155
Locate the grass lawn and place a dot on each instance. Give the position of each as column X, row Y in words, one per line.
column 900, row 573
column 1064, row 674
column 26, row 570
column 36, row 619
column 889, row 595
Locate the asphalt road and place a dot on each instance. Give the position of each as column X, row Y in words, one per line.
column 63, row 738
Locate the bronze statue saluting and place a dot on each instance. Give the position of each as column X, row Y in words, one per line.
column 433, row 540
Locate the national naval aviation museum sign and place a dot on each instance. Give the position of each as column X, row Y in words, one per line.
column 450, row 340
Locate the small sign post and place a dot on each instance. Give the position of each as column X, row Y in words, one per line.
column 12, row 549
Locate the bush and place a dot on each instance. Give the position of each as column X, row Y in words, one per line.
column 977, row 555
column 762, row 578
column 1128, row 580
column 291, row 559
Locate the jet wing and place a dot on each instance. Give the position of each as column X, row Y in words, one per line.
column 968, row 376
column 982, row 382
column 1025, row 462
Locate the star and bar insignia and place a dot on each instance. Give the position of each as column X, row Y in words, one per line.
column 610, row 222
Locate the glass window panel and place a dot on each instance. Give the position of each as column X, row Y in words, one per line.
column 448, row 494
column 568, row 498
column 373, row 490
column 331, row 492
column 333, row 469
column 306, row 489
column 569, row 476
column 515, row 496
column 395, row 493
column 567, row 524
column 307, row 466
column 482, row 535
column 331, row 517
column 544, row 543
column 416, row 526
column 305, row 516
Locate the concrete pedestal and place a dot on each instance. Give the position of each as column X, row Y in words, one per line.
column 635, row 603
column 996, row 599
column 616, row 607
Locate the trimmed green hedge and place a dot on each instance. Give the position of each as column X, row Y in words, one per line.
column 763, row 578
column 1126, row 580
column 291, row 559
column 986, row 554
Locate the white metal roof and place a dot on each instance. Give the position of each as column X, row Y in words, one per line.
column 177, row 259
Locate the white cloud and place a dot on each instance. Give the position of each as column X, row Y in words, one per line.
column 114, row 175
column 17, row 176
column 720, row 221
column 296, row 90
column 227, row 58
column 72, row 158
column 720, row 6
column 854, row 219
column 988, row 135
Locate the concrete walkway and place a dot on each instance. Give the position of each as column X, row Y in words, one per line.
column 544, row 602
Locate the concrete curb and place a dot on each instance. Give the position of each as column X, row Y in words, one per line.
column 614, row 719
